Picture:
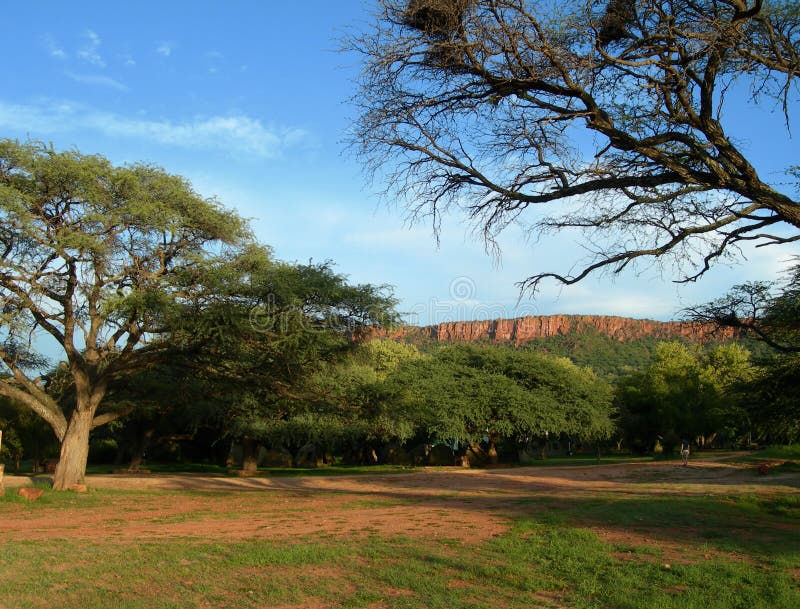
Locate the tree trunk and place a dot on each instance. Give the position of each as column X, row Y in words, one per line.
column 140, row 449
column 71, row 468
column 249, row 456
column 37, row 458
column 491, row 450
column 230, row 460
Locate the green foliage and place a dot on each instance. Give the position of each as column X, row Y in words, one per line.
column 768, row 312
column 772, row 400
column 686, row 392
column 606, row 356
column 24, row 434
column 11, row 447
column 466, row 393
column 356, row 389
column 264, row 337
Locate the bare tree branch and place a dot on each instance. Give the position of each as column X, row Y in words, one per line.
column 475, row 104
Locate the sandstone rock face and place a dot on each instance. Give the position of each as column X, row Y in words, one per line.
column 521, row 330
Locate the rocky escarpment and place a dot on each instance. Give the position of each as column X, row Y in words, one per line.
column 521, row 330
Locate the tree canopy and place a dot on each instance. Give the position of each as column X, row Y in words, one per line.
column 463, row 394
column 609, row 116
column 260, row 334
column 686, row 393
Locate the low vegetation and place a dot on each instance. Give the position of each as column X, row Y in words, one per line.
column 659, row 536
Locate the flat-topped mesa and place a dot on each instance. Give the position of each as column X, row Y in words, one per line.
column 521, row 330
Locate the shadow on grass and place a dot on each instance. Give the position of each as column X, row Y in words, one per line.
column 752, row 520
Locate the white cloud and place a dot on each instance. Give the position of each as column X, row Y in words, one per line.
column 53, row 48
column 237, row 134
column 97, row 79
column 165, row 49
column 89, row 52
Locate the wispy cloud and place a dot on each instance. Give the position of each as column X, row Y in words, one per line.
column 165, row 49
column 90, row 50
column 53, row 48
column 97, row 79
column 235, row 134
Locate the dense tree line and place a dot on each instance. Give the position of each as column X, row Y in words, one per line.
column 379, row 401
column 181, row 337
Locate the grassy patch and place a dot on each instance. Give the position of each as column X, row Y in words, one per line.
column 789, row 452
column 61, row 499
column 205, row 468
column 584, row 460
column 634, row 548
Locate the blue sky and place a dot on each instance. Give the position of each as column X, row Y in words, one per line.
column 249, row 101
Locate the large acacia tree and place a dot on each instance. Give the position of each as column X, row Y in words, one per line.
column 608, row 114
column 259, row 334
column 92, row 259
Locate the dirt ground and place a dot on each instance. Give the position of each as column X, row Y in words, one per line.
column 466, row 504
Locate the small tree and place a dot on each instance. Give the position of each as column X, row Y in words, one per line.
column 607, row 115
column 89, row 257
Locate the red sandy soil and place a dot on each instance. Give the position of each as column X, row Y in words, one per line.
column 469, row 505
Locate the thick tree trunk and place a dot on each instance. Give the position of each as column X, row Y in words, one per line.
column 71, row 468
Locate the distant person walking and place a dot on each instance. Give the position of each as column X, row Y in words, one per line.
column 685, row 451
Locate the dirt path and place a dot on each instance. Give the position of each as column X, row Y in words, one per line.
column 453, row 503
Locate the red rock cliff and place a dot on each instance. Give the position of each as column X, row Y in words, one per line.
column 520, row 330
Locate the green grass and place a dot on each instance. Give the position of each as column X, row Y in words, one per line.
column 585, row 460
column 337, row 470
column 635, row 548
column 360, row 470
column 204, row 468
column 789, row 453
column 533, row 562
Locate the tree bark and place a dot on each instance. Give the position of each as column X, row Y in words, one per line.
column 139, row 450
column 71, row 468
column 491, row 450
column 250, row 456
